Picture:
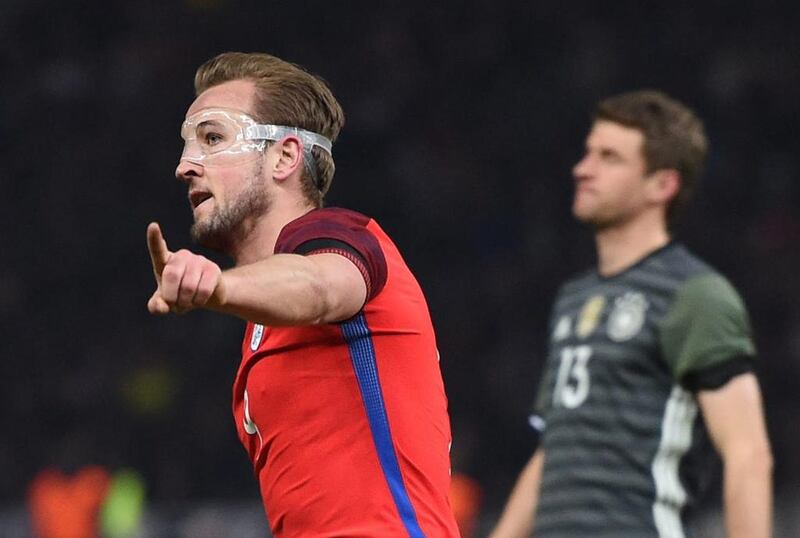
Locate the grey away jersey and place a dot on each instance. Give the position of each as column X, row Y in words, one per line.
column 624, row 442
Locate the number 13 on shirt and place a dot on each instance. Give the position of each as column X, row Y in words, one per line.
column 572, row 382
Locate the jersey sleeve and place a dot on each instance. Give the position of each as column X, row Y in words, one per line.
column 341, row 232
column 706, row 327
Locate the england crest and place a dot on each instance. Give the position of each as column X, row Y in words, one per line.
column 627, row 318
column 258, row 333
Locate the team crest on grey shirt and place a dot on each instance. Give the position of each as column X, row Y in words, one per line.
column 628, row 316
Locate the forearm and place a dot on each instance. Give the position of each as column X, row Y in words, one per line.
column 735, row 420
column 747, row 494
column 284, row 289
column 518, row 516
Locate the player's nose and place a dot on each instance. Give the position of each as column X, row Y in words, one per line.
column 582, row 169
column 186, row 170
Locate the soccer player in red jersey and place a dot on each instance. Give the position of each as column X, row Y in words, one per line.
column 338, row 400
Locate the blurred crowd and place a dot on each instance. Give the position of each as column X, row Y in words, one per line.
column 463, row 122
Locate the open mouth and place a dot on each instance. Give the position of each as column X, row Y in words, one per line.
column 198, row 197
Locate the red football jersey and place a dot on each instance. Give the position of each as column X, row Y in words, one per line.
column 346, row 424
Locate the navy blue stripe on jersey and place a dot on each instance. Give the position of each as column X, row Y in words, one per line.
column 362, row 354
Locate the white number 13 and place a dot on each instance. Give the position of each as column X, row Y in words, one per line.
column 572, row 383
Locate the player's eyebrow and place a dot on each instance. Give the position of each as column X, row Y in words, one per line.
column 603, row 151
column 208, row 123
column 608, row 152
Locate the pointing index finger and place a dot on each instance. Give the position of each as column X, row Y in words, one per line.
column 159, row 253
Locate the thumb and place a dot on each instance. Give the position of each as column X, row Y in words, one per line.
column 157, row 305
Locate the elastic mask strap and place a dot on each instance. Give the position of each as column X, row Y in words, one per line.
column 309, row 139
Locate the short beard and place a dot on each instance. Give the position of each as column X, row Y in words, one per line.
column 228, row 225
column 598, row 225
column 600, row 220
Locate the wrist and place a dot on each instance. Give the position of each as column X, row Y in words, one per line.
column 218, row 298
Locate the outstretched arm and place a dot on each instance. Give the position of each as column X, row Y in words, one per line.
column 735, row 421
column 284, row 289
column 518, row 515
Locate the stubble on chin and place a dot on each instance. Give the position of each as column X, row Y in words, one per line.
column 212, row 233
column 581, row 214
column 590, row 218
column 228, row 224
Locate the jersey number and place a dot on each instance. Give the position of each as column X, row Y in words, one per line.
column 572, row 383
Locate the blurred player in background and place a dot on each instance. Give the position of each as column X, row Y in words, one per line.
column 650, row 364
column 339, row 400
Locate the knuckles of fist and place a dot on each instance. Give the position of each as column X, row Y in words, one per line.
column 184, row 280
column 188, row 280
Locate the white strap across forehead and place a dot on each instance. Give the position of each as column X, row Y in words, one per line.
column 276, row 132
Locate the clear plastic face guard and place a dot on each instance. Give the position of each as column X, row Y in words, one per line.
column 225, row 137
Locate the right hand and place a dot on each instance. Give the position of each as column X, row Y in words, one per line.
column 184, row 280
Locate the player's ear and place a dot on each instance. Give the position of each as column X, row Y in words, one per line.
column 289, row 157
column 663, row 185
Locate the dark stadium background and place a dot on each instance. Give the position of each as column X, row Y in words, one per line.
column 463, row 122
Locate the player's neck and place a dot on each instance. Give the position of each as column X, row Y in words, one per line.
column 260, row 242
column 620, row 247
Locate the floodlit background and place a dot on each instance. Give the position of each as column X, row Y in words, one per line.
column 463, row 122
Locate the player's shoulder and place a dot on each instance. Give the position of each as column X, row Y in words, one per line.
column 324, row 223
column 578, row 283
column 701, row 285
column 580, row 278
column 676, row 262
column 710, row 291
column 334, row 215
column 325, row 218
